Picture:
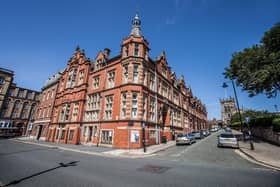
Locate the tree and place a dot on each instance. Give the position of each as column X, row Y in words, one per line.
column 257, row 69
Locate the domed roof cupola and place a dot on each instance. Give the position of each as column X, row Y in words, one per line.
column 136, row 26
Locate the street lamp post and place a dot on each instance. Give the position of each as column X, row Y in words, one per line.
column 247, row 119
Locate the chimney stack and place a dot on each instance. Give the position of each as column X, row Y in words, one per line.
column 107, row 52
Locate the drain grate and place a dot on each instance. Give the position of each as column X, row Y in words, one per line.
column 154, row 169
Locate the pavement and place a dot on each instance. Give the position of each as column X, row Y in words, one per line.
column 264, row 153
column 27, row 165
column 101, row 151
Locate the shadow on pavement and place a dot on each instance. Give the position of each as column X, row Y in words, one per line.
column 73, row 163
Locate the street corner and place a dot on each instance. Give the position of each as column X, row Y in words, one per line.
column 253, row 160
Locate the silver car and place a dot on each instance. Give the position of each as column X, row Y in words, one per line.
column 183, row 139
column 227, row 140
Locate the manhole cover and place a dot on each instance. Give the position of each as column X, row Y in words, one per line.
column 153, row 169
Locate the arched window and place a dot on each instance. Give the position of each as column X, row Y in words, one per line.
column 16, row 110
column 24, row 113
column 5, row 108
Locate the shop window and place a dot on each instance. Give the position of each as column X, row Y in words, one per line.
column 106, row 137
column 71, row 134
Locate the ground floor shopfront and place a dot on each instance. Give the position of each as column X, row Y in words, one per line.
column 39, row 130
column 120, row 134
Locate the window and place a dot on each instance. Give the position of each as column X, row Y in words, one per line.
column 164, row 89
column 125, row 73
column 75, row 112
column 152, row 134
column 176, row 97
column 159, row 90
column 11, row 92
column 2, row 80
column 5, row 108
column 99, row 64
column 20, row 93
column 67, row 111
column 24, row 113
column 152, row 81
column 96, row 82
column 71, row 134
column 106, row 137
column 81, row 77
column 135, row 73
column 144, row 107
column 111, row 79
column 164, row 71
column 71, row 78
column 16, row 112
column 152, row 109
column 144, row 77
column 62, row 134
column 92, row 107
column 134, row 105
column 29, row 95
column 126, row 51
column 123, row 105
column 64, row 115
column 136, row 49
column 108, row 107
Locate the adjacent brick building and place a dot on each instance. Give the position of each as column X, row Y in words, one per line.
column 17, row 106
column 124, row 100
column 45, row 108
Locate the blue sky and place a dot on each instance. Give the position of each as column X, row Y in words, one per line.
column 199, row 36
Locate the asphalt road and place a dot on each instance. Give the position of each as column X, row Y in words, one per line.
column 31, row 165
column 205, row 152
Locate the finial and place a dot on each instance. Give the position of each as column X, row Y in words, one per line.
column 78, row 48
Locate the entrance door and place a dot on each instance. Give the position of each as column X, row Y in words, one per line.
column 39, row 131
column 89, row 134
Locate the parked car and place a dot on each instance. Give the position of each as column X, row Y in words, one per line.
column 227, row 140
column 183, row 139
column 205, row 132
column 197, row 134
column 214, row 129
column 227, row 129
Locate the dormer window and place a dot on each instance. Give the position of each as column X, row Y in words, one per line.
column 98, row 64
column 136, row 49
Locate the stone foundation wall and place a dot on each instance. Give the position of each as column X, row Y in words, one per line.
column 267, row 134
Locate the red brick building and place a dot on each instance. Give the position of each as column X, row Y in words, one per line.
column 45, row 108
column 17, row 106
column 119, row 101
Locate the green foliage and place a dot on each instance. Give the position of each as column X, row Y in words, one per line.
column 257, row 69
column 258, row 119
column 276, row 124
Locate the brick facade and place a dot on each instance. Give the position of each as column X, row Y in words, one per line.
column 107, row 101
column 17, row 106
column 45, row 108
